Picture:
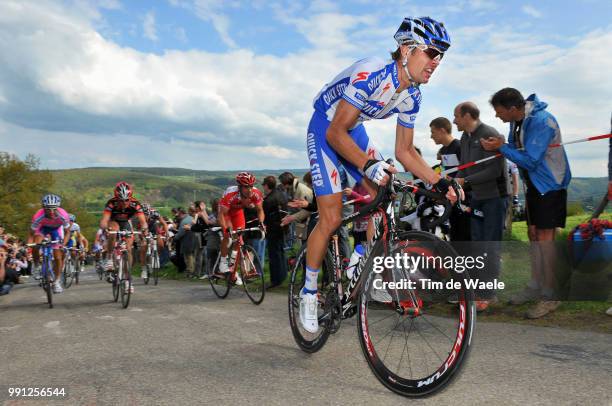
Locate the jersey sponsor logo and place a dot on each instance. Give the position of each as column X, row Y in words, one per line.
column 381, row 103
column 333, row 93
column 360, row 77
column 334, row 176
column 359, row 96
column 371, row 153
column 373, row 84
column 315, row 170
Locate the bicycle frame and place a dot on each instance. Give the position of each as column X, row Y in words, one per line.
column 385, row 230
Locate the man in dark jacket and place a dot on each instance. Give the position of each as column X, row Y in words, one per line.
column 275, row 207
column 489, row 194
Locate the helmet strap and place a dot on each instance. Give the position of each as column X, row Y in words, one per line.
column 411, row 81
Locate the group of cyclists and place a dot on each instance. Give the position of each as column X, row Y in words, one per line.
column 123, row 212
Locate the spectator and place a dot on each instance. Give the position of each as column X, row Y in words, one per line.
column 253, row 238
column 202, row 221
column 296, row 190
column 8, row 277
column 450, row 156
column 274, row 205
column 189, row 242
column 489, row 194
column 546, row 174
column 184, row 243
column 213, row 239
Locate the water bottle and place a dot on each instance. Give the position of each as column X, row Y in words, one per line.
column 354, row 261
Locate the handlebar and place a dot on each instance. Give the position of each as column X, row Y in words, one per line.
column 124, row 232
column 242, row 231
column 394, row 185
column 44, row 242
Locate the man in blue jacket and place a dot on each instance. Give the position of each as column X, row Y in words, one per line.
column 546, row 173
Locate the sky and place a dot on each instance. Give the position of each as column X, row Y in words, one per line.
column 228, row 85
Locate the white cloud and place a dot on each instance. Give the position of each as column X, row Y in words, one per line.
column 66, row 82
column 531, row 11
column 148, row 26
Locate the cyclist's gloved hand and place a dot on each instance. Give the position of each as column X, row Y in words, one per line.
column 515, row 200
column 442, row 185
column 375, row 170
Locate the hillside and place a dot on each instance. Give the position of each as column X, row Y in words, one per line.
column 162, row 187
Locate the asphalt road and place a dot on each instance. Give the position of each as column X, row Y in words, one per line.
column 178, row 344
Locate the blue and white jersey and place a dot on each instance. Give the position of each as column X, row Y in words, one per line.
column 370, row 85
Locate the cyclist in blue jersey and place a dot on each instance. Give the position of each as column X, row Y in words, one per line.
column 371, row 88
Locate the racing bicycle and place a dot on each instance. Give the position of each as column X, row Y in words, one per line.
column 47, row 276
column 414, row 342
column 121, row 273
column 247, row 264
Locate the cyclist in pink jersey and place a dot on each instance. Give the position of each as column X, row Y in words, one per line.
column 51, row 221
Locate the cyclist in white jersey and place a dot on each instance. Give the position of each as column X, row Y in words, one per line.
column 371, row 88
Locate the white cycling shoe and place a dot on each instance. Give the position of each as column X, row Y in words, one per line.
column 143, row 274
column 308, row 312
column 238, row 280
column 57, row 287
column 223, row 268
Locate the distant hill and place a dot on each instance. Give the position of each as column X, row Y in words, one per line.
column 171, row 187
column 162, row 187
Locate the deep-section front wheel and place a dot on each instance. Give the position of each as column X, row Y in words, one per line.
column 47, row 280
column 251, row 272
column 125, row 285
column 155, row 268
column 414, row 341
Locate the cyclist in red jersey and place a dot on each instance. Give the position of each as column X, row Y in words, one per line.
column 231, row 213
column 117, row 214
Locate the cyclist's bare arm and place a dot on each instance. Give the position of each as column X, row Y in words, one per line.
column 144, row 227
column 105, row 219
column 84, row 242
column 66, row 235
column 260, row 213
column 410, row 159
column 338, row 137
column 221, row 217
column 164, row 224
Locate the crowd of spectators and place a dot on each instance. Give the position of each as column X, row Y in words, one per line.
column 15, row 261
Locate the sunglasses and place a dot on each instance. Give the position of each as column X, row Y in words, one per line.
column 433, row 53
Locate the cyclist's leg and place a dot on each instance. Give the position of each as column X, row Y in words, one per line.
column 328, row 191
column 361, row 138
column 36, row 250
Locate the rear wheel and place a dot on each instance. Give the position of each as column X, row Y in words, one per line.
column 414, row 342
column 310, row 342
column 155, row 267
column 251, row 272
column 78, row 272
column 147, row 268
column 219, row 283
